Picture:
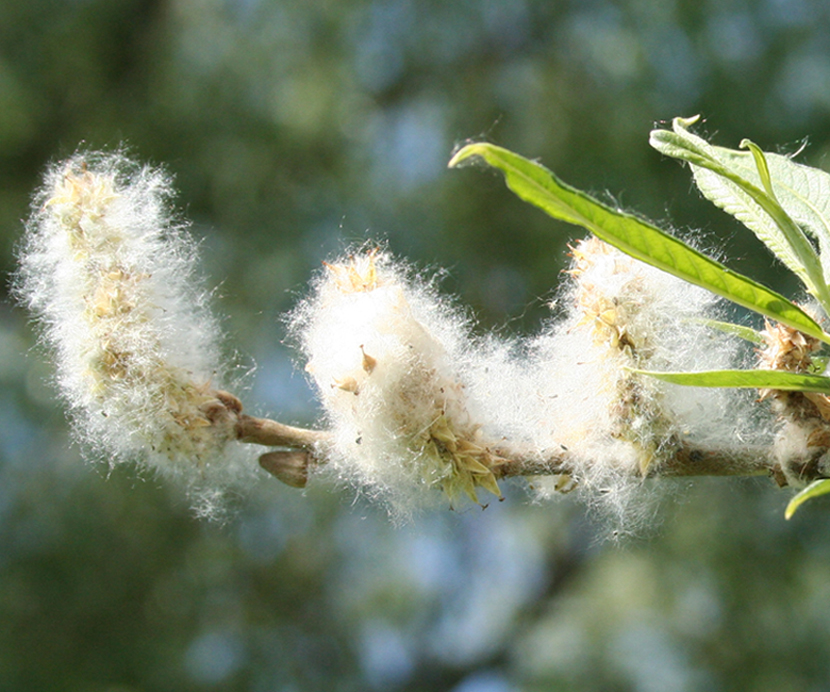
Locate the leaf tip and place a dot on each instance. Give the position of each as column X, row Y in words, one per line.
column 464, row 153
column 815, row 489
column 792, row 506
column 684, row 123
column 660, row 138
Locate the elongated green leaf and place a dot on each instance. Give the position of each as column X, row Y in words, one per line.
column 756, row 208
column 537, row 185
column 803, row 192
column 815, row 489
column 761, row 165
column 739, row 330
column 746, row 379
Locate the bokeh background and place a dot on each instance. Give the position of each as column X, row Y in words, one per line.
column 296, row 127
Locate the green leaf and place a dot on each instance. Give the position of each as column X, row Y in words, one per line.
column 537, row 185
column 803, row 192
column 746, row 379
column 818, row 364
column 727, row 187
column 815, row 489
column 739, row 330
column 761, row 165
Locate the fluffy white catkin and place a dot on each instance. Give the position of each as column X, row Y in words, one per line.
column 111, row 277
column 383, row 351
column 415, row 402
column 620, row 425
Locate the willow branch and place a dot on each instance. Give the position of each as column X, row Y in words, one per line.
column 303, row 448
column 270, row 433
column 687, row 461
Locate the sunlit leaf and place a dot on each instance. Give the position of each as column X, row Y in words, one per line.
column 815, row 489
column 819, row 364
column 803, row 191
column 746, row 379
column 758, row 208
column 537, row 185
column 739, row 330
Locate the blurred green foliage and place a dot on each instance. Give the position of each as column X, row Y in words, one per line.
column 294, row 128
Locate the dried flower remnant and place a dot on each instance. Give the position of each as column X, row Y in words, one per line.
column 112, row 281
column 289, row 466
column 790, row 350
column 803, row 442
column 381, row 349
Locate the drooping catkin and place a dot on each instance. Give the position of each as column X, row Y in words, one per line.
column 619, row 424
column 415, row 402
column 383, row 352
column 111, row 278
